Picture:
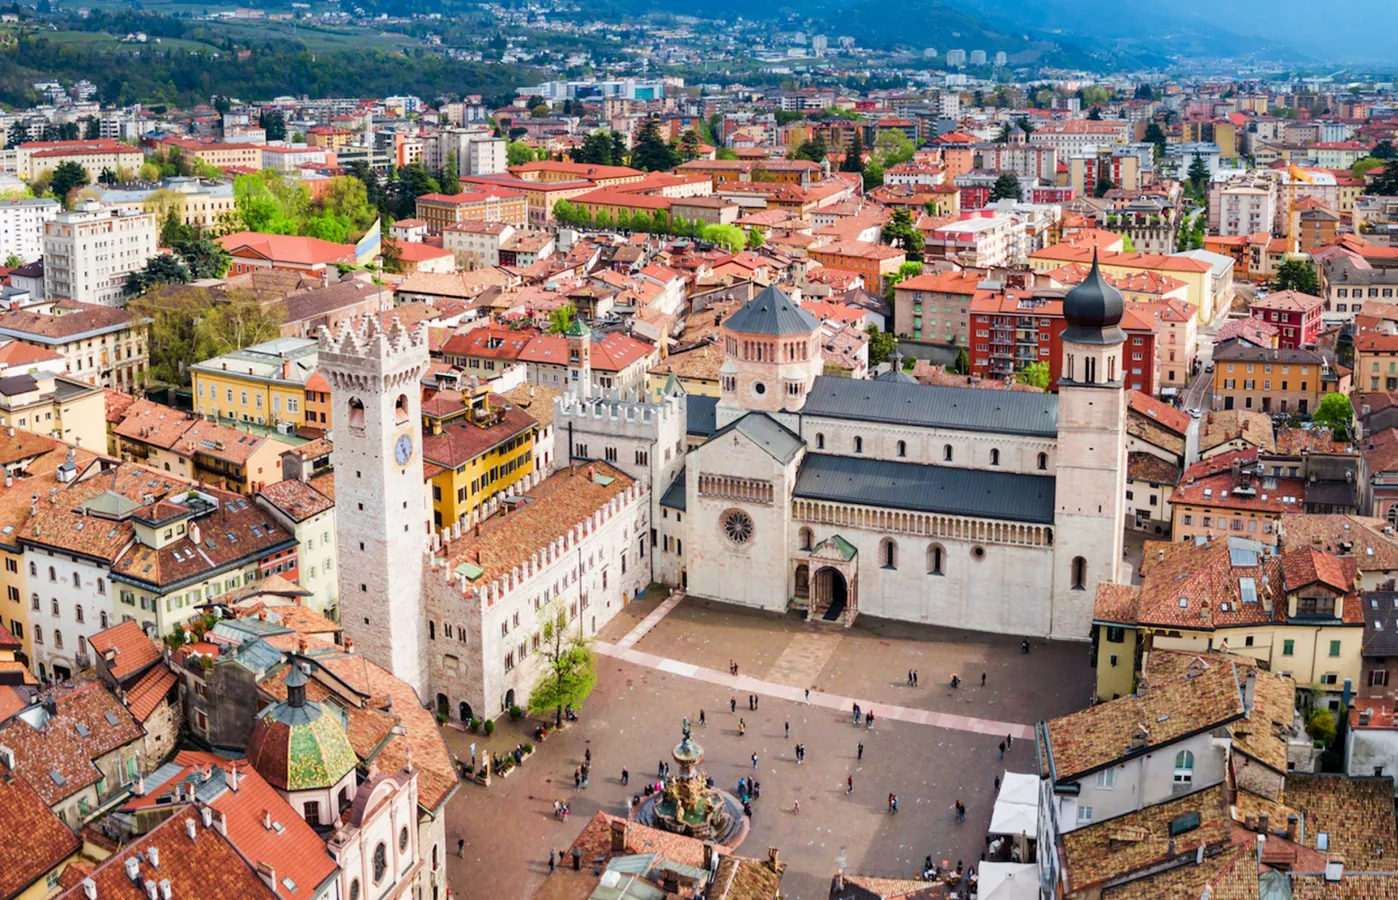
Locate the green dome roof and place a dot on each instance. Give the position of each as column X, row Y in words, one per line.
column 298, row 744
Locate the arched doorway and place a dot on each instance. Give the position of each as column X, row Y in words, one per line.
column 803, row 581
column 830, row 593
column 443, row 706
column 465, row 709
column 509, row 698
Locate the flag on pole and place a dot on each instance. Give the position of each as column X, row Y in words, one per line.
column 370, row 245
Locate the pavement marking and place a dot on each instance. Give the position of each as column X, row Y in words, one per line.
column 746, row 684
column 649, row 622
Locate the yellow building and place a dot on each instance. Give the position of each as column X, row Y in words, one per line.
column 474, row 446
column 1295, row 612
column 264, row 384
column 1197, row 274
column 54, row 406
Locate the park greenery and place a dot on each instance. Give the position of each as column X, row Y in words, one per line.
column 1335, row 412
column 658, row 222
column 189, row 324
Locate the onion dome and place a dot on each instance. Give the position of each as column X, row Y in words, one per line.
column 299, row 744
column 1093, row 310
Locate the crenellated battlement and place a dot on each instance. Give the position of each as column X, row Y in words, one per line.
column 628, row 407
column 366, row 338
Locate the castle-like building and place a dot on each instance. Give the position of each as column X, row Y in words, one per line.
column 987, row 510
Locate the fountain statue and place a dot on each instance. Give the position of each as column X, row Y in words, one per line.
column 687, row 805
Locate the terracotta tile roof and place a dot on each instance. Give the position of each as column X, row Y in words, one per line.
column 117, row 404
column 739, row 878
column 145, row 696
column 536, row 401
column 1153, row 433
column 868, row 887
column 1071, row 253
column 286, row 248
column 207, row 867
column 297, row 499
column 461, row 441
column 33, row 840
column 489, row 343
column 1223, row 426
column 131, row 651
column 294, row 851
column 1148, row 467
column 1176, row 420
column 1304, row 566
column 1295, row 441
column 73, row 318
column 1356, row 815
column 1244, row 492
column 1230, row 875
column 1349, row 537
column 1172, row 707
column 1109, row 849
column 596, row 840
column 1288, row 301
column 558, row 503
column 1117, row 603
column 1185, row 585
column 59, row 746
column 1262, row 734
column 1255, row 331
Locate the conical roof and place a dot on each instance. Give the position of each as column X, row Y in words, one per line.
column 1093, row 310
column 772, row 313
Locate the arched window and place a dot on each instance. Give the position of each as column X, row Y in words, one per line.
column 400, row 410
column 38, row 634
column 936, row 556
column 994, row 456
column 1079, row 574
column 1392, row 515
column 902, row 448
column 820, row 441
column 58, row 639
column 888, row 553
column 78, row 612
column 356, row 413
column 431, row 630
column 1184, row 767
column 33, row 570
column 859, row 445
column 53, row 575
column 101, row 586
column 1043, row 462
column 77, row 580
column 807, row 538
column 946, row 453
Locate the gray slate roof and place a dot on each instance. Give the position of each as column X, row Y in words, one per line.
column 701, row 414
column 1380, row 609
column 674, row 496
column 780, row 442
column 927, row 488
column 960, row 409
column 772, row 312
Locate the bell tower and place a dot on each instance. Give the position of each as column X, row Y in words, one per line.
column 381, row 515
column 579, row 338
column 1090, row 494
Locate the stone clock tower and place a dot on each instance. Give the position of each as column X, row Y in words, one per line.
column 381, row 509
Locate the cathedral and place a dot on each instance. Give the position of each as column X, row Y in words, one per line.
column 967, row 508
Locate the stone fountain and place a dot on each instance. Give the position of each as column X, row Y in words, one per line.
column 688, row 806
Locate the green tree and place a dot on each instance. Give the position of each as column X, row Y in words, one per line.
column 449, row 179
column 963, row 362
column 812, row 150
column 1296, row 275
column 561, row 318
column 149, row 171
column 1006, row 187
column 1156, row 135
column 1384, row 150
column 173, row 230
column 17, row 135
column 725, row 153
column 348, row 197
column 258, row 208
column 66, row 177
column 596, row 150
column 755, row 239
column 901, row 231
column 235, row 321
column 13, row 261
column 1035, row 374
column 517, row 153
column 569, row 672
column 893, row 147
column 204, row 258
column 1320, row 725
column 1334, row 412
column 688, row 147
column 1385, row 184
column 163, row 268
column 619, row 150
column 1104, row 184
column 1198, row 174
column 651, row 153
column 854, row 155
column 274, row 122
column 730, row 236
column 1364, row 165
column 881, row 345
column 905, row 271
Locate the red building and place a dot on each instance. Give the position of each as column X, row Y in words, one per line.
column 1013, row 328
column 1296, row 315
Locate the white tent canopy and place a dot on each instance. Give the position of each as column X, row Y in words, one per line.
column 1008, row 881
column 1017, row 806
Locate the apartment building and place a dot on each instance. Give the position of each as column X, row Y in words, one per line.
column 934, row 308
column 34, row 158
column 485, row 204
column 1296, row 316
column 89, row 252
column 101, row 345
column 1261, row 378
column 201, row 205
column 266, row 383
column 22, row 227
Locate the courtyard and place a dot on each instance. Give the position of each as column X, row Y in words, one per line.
column 931, row 745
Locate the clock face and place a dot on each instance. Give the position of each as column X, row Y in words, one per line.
column 403, row 449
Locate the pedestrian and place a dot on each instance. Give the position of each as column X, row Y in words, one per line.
column 1002, row 749
column 701, row 719
column 732, row 704
column 460, row 846
column 553, row 859
column 577, row 779
column 1024, row 646
column 892, row 801
column 861, row 751
column 1009, row 740
column 997, row 782
column 808, row 696
column 747, row 809
column 749, row 702
column 585, row 778
column 732, row 667
column 742, row 786
column 735, row 670
column 786, row 728
column 756, row 789
column 625, row 776
column 955, row 680
column 796, row 808
column 960, row 811
column 798, row 754
column 754, row 760
column 869, row 720
column 742, row 727
column 660, row 769
column 849, row 784
column 756, row 702
column 587, row 756
column 910, row 678
column 982, row 679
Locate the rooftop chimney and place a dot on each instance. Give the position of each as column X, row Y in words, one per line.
column 773, row 859
column 233, row 778
column 207, row 814
column 619, row 827
column 1334, row 869
column 165, row 891
column 152, row 890
column 1293, row 823
column 267, row 819
column 189, row 829
column 133, row 869
column 154, row 856
column 89, row 889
